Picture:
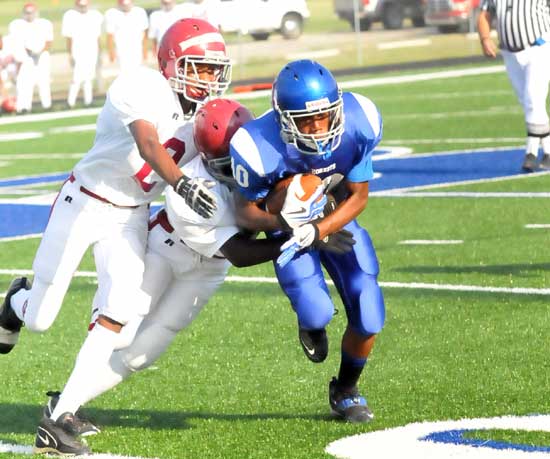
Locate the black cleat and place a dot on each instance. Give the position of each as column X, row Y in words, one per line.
column 348, row 404
column 529, row 163
column 314, row 343
column 545, row 162
column 55, row 437
column 79, row 425
column 10, row 324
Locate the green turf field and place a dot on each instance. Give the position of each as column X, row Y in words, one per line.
column 236, row 383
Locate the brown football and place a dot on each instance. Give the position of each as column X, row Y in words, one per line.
column 276, row 197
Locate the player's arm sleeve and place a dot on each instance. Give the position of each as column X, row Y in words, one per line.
column 251, row 183
column 144, row 20
column 132, row 99
column 48, row 30
column 110, row 26
column 66, row 29
column 369, row 132
column 242, row 250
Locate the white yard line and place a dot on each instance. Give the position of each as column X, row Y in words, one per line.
column 314, row 54
column 21, row 238
column 49, row 116
column 460, row 194
column 32, row 156
column 406, row 192
column 26, row 449
column 404, row 44
column 20, row 136
column 431, row 242
column 405, row 285
column 489, row 140
column 537, row 226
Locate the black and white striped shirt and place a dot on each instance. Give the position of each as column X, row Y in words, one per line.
column 520, row 23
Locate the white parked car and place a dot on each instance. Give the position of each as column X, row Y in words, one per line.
column 260, row 18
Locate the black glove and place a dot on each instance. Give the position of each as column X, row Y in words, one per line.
column 197, row 194
column 339, row 243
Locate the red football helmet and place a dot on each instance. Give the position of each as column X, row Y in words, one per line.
column 215, row 124
column 9, row 104
column 186, row 45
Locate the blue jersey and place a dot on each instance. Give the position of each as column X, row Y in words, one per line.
column 260, row 158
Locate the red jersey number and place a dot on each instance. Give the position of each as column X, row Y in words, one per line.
column 175, row 148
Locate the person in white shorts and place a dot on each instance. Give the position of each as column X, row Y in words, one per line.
column 12, row 54
column 161, row 19
column 126, row 27
column 81, row 26
column 35, row 35
column 105, row 203
column 524, row 41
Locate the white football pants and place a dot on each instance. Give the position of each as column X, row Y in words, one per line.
column 529, row 73
column 118, row 236
column 31, row 74
column 179, row 282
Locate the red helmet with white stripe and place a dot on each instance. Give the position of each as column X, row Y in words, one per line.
column 192, row 57
column 215, row 123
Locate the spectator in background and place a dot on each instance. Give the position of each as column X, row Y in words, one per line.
column 11, row 57
column 126, row 27
column 204, row 9
column 161, row 19
column 35, row 35
column 82, row 29
column 524, row 39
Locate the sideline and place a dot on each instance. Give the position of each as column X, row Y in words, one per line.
column 365, row 82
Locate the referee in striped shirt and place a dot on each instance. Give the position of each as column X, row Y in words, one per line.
column 523, row 28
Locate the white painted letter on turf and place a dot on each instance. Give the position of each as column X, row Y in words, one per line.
column 444, row 439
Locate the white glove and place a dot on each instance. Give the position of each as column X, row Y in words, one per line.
column 197, row 194
column 295, row 212
column 302, row 237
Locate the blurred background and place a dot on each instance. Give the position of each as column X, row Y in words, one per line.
column 351, row 37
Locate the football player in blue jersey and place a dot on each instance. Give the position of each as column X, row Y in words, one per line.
column 315, row 128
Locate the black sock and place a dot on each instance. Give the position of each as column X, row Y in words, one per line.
column 350, row 370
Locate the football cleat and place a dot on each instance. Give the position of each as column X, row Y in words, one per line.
column 10, row 324
column 56, row 437
column 529, row 163
column 545, row 162
column 348, row 404
column 314, row 343
column 78, row 425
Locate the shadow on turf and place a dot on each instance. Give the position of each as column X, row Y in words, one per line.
column 520, row 270
column 20, row 418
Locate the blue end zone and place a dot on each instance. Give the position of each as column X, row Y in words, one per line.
column 33, row 180
column 456, row 437
column 24, row 219
column 400, row 172
column 414, row 171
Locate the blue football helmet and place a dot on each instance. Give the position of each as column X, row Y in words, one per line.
column 304, row 88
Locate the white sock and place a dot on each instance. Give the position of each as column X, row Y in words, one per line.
column 18, row 302
column 73, row 92
column 545, row 142
column 532, row 146
column 92, row 374
column 87, row 90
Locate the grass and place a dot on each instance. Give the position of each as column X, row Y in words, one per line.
column 236, row 384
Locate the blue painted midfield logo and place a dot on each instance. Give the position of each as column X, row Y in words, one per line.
column 18, row 218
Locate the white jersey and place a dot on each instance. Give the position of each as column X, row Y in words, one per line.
column 204, row 236
column 32, row 35
column 127, row 30
column 12, row 52
column 84, row 29
column 160, row 20
column 113, row 168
